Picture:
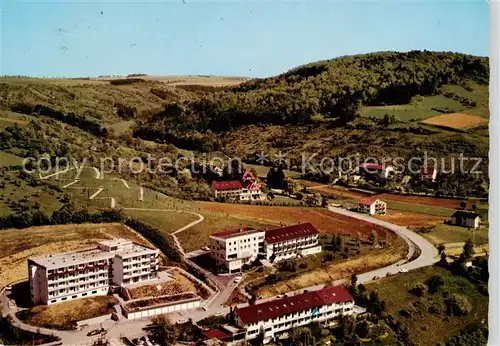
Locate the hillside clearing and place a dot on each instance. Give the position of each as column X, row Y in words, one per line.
column 455, row 120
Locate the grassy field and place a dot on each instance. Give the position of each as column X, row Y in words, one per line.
column 455, row 120
column 198, row 236
column 17, row 245
column 409, row 219
column 179, row 284
column 63, row 316
column 423, row 109
column 442, row 233
column 420, row 209
column 323, row 219
column 341, row 270
column 425, row 328
column 8, row 159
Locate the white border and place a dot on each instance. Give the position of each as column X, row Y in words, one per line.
column 494, row 170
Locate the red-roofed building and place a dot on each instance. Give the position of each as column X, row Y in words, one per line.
column 233, row 249
column 372, row 206
column 372, row 169
column 290, row 241
column 248, row 177
column 277, row 316
column 217, row 334
column 227, row 189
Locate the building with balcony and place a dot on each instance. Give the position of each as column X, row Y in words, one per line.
column 233, row 249
column 274, row 318
column 65, row 276
column 291, row 241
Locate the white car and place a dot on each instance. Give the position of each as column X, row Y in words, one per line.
column 8, row 287
column 403, row 270
column 219, row 313
column 205, row 248
column 238, row 279
column 182, row 321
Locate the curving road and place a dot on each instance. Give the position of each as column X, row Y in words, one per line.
column 428, row 253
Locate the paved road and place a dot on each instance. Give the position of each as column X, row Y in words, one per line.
column 428, row 253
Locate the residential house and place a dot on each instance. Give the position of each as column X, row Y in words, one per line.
column 374, row 170
column 466, row 219
column 372, row 206
column 227, row 189
column 251, row 192
column 277, row 317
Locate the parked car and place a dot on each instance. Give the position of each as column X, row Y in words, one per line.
column 219, row 313
column 376, row 277
column 403, row 270
column 182, row 321
column 94, row 332
column 205, row 248
column 8, row 287
column 238, row 279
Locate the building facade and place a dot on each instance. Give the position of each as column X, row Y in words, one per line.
column 372, row 206
column 234, row 248
column 291, row 241
column 466, row 219
column 273, row 318
column 66, row 276
column 227, row 189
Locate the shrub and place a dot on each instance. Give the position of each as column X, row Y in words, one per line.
column 457, row 305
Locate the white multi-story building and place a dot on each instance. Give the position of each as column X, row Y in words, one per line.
column 65, row 276
column 234, row 248
column 273, row 318
column 291, row 241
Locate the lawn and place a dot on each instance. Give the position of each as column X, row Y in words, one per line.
column 443, row 233
column 17, row 245
column 198, row 236
column 420, row 209
column 8, row 159
column 178, row 284
column 427, row 328
column 63, row 316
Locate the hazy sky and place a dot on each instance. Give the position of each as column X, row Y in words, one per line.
column 91, row 38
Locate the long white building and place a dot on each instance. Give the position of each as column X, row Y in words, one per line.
column 273, row 318
column 65, row 276
column 234, row 248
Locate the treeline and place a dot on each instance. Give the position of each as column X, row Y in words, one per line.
column 126, row 81
column 335, row 88
column 65, row 215
column 68, row 118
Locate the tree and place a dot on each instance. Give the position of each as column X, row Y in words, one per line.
column 373, row 238
column 163, row 331
column 468, row 250
column 434, row 284
column 441, row 248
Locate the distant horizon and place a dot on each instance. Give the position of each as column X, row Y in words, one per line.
column 255, row 39
column 130, row 75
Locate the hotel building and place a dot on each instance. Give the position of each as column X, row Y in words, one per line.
column 65, row 276
column 273, row 318
column 234, row 248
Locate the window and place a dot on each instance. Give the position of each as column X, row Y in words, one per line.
column 94, row 292
column 53, row 301
column 64, row 298
column 74, row 296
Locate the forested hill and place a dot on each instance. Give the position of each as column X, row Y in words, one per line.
column 334, row 88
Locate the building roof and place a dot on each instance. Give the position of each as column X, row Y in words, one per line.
column 373, row 166
column 226, row 185
column 64, row 259
column 465, row 214
column 253, row 186
column 290, row 232
column 233, row 233
column 300, row 302
column 216, row 334
column 367, row 200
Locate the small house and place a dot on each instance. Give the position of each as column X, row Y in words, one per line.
column 372, row 206
column 427, row 173
column 466, row 219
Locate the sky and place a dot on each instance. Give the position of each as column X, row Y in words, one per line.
column 239, row 38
